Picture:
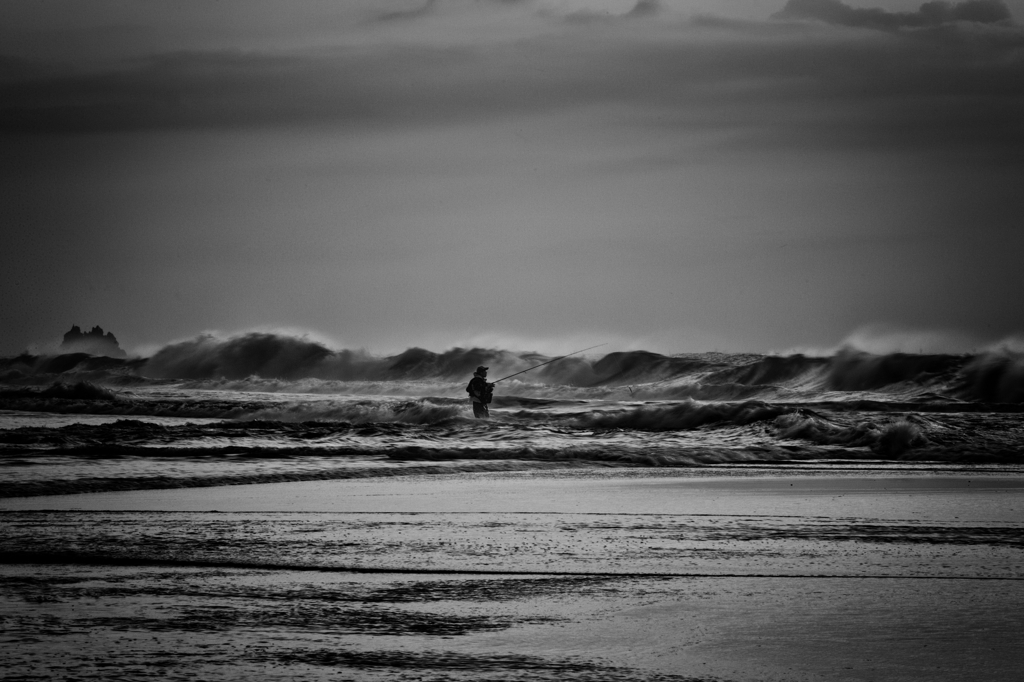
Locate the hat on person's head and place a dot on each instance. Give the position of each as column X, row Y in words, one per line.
column 481, row 369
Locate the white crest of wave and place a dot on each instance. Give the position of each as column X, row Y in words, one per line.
column 884, row 338
column 215, row 336
column 1009, row 344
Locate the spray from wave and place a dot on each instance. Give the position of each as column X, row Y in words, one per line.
column 274, row 362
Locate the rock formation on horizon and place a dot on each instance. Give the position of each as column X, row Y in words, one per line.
column 93, row 342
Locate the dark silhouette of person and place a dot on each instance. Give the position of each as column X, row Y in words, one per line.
column 480, row 392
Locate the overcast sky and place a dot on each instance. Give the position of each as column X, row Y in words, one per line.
column 537, row 174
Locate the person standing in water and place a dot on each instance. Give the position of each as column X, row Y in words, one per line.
column 480, row 392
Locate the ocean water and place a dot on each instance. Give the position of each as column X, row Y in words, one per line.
column 269, row 407
column 883, row 488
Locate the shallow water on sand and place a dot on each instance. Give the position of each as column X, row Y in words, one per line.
column 226, row 624
column 737, row 591
column 914, row 492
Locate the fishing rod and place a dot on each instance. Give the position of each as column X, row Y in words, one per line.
column 575, row 352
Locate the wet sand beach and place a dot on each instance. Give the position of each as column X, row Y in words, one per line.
column 573, row 575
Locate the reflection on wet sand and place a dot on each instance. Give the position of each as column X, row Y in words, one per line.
column 765, row 578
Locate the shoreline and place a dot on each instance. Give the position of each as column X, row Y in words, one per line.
column 584, row 574
column 966, row 495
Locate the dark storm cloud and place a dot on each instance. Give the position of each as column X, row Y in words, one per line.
column 929, row 14
column 413, row 13
column 183, row 90
column 764, row 84
column 642, row 8
column 776, row 182
column 428, row 7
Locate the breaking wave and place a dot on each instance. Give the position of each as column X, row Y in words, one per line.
column 278, row 356
column 997, row 376
column 887, row 439
column 688, row 414
column 283, row 363
column 364, row 412
column 80, row 390
column 262, row 408
column 86, row 398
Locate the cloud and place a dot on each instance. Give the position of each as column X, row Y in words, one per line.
column 749, row 84
column 930, row 14
column 426, row 8
column 642, row 8
column 363, row 163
